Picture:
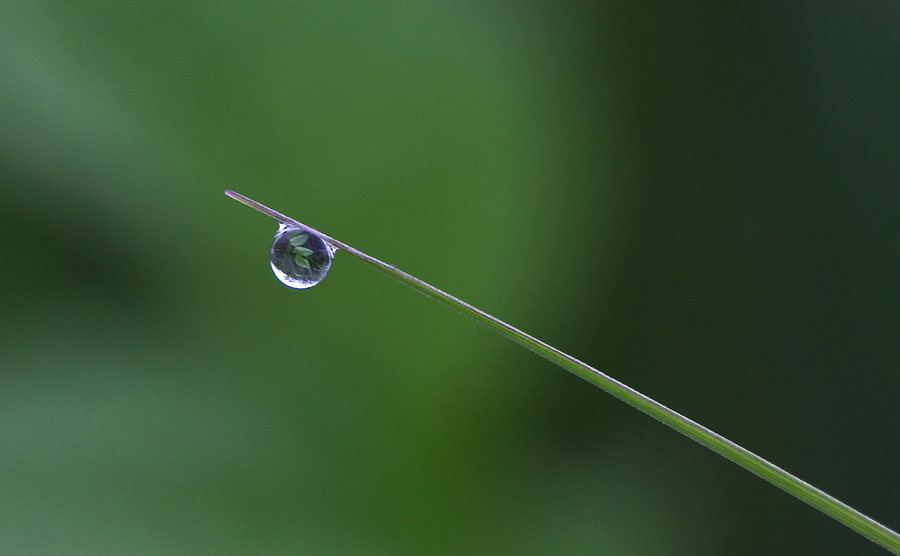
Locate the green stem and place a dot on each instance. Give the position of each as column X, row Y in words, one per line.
column 802, row 490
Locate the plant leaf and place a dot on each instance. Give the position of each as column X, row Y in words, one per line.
column 301, row 262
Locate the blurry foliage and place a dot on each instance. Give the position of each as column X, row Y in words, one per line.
column 699, row 199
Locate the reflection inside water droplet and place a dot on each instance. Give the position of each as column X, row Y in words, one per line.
column 299, row 258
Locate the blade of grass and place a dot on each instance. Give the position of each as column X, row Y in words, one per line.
column 802, row 490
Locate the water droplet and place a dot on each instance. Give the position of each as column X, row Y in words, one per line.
column 299, row 258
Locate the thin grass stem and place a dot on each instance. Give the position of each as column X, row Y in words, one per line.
column 768, row 471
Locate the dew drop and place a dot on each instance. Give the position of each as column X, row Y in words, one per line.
column 299, row 258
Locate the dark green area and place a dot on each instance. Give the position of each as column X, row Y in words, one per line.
column 702, row 200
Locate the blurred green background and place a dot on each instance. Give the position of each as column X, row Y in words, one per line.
column 701, row 199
